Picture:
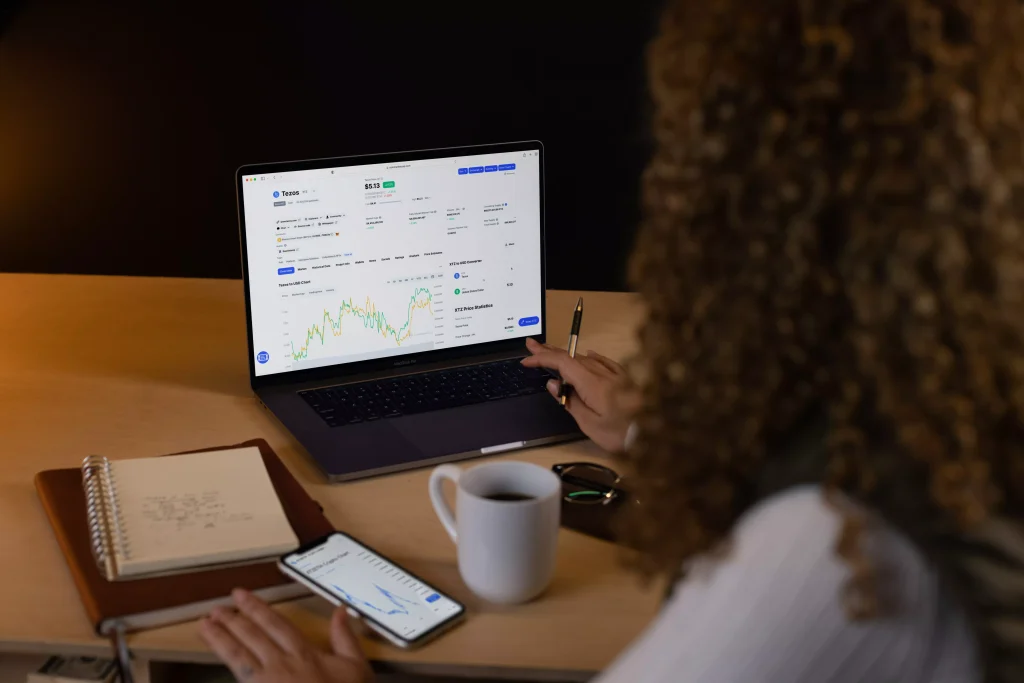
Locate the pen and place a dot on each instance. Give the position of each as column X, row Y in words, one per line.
column 124, row 657
column 574, row 336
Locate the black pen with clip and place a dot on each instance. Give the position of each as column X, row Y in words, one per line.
column 564, row 388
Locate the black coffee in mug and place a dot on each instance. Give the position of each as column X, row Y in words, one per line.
column 508, row 497
column 524, row 517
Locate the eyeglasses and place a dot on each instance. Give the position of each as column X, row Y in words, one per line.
column 596, row 484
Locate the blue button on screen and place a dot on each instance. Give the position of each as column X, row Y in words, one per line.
column 463, row 171
column 262, row 357
column 433, row 598
column 476, row 169
column 286, row 271
column 526, row 322
column 490, row 169
column 506, row 167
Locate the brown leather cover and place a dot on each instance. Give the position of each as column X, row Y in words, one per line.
column 64, row 500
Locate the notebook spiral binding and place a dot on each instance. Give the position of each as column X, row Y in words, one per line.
column 103, row 513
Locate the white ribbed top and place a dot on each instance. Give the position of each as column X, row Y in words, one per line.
column 770, row 611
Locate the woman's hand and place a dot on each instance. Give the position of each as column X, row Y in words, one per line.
column 260, row 646
column 602, row 401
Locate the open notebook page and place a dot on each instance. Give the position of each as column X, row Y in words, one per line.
column 184, row 511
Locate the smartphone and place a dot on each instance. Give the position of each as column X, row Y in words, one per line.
column 394, row 602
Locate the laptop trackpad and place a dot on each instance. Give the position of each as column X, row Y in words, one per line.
column 462, row 430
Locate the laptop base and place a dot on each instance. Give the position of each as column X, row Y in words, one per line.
column 412, row 441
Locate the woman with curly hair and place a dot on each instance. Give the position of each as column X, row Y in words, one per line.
column 825, row 416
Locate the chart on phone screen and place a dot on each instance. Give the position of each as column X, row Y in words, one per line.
column 363, row 262
column 375, row 587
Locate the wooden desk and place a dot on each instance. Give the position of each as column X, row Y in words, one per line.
column 130, row 367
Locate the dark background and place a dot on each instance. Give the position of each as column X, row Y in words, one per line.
column 120, row 127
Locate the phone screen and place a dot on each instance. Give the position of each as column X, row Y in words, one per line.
column 379, row 589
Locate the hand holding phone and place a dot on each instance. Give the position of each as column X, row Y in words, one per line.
column 395, row 603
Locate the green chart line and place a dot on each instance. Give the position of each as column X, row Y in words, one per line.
column 371, row 318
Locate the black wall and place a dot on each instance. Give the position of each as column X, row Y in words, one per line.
column 120, row 128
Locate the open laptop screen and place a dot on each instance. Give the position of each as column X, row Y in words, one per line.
column 359, row 262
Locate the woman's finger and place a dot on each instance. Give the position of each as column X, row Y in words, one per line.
column 596, row 367
column 584, row 415
column 615, row 368
column 542, row 358
column 535, row 347
column 583, row 380
column 343, row 640
column 243, row 664
column 246, row 632
column 548, row 356
column 588, row 378
column 532, row 343
column 551, row 360
column 279, row 629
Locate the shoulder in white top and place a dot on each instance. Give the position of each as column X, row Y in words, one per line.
column 770, row 610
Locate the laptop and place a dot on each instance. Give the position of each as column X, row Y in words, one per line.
column 388, row 299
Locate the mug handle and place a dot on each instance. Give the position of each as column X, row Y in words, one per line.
column 444, row 512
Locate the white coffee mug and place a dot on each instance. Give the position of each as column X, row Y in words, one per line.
column 506, row 547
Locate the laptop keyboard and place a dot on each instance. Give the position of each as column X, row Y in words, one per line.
column 378, row 399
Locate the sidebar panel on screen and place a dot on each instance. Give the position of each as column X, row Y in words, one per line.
column 363, row 262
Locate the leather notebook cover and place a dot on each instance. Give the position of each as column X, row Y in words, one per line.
column 147, row 603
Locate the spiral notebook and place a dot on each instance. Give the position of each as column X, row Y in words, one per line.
column 154, row 600
column 155, row 516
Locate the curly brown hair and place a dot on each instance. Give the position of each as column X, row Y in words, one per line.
column 832, row 228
